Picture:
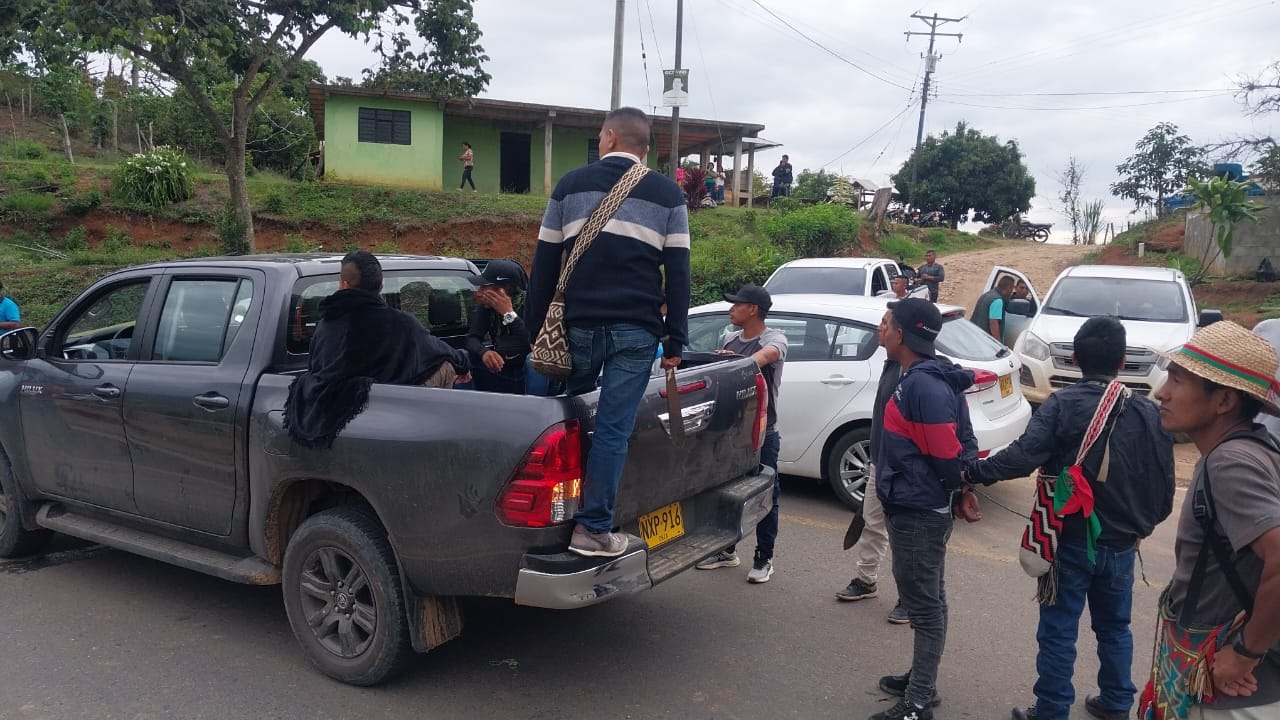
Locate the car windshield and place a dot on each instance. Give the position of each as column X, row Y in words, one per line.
column 962, row 340
column 1125, row 298
column 838, row 281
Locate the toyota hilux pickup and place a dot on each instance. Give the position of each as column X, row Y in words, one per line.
column 148, row 416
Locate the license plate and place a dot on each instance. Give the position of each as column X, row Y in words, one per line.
column 1006, row 385
column 662, row 525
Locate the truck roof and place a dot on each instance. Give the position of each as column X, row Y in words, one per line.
column 307, row 264
column 839, row 262
column 1134, row 272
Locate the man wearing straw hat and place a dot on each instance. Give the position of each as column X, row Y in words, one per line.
column 1217, row 653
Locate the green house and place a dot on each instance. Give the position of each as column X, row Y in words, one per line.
column 409, row 139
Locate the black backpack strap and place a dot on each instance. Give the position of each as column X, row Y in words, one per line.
column 1205, row 511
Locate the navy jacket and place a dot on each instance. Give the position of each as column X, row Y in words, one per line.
column 927, row 439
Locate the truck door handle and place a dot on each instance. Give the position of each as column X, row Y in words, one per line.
column 211, row 401
column 107, row 392
column 838, row 380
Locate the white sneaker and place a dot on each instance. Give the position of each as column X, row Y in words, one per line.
column 722, row 559
column 761, row 571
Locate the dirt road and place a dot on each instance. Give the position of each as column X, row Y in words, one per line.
column 967, row 272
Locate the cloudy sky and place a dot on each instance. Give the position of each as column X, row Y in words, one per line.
column 840, row 87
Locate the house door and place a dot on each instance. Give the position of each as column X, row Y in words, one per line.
column 516, row 167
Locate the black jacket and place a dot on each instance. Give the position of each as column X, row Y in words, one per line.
column 512, row 341
column 982, row 312
column 1138, row 492
column 359, row 341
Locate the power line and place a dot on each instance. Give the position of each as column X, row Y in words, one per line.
column 828, row 50
column 1096, row 107
column 706, row 70
column 644, row 58
column 930, row 64
column 866, row 139
column 657, row 44
column 1096, row 92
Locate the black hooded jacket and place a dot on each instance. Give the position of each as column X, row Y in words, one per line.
column 1138, row 492
column 359, row 341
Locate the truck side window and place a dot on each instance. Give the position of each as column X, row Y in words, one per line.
column 196, row 321
column 105, row 329
column 879, row 283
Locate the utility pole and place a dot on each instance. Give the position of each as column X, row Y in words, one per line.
column 930, row 64
column 675, row 111
column 615, row 100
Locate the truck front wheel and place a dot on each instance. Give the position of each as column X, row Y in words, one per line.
column 343, row 596
column 15, row 540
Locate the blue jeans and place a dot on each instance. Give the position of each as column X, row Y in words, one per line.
column 767, row 528
column 1108, row 587
column 537, row 384
column 625, row 353
column 918, row 541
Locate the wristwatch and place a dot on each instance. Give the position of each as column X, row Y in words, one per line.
column 1243, row 651
column 509, row 317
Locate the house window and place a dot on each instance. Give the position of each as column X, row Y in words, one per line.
column 385, row 126
column 593, row 150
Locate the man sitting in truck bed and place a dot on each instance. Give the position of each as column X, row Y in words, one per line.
column 360, row 341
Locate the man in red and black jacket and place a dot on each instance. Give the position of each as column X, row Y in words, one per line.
column 919, row 466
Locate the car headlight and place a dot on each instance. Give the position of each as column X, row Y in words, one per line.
column 1034, row 348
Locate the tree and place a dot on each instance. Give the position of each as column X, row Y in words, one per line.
column 812, row 186
column 451, row 69
column 262, row 42
column 966, row 170
column 1162, row 162
column 1069, row 179
column 1225, row 203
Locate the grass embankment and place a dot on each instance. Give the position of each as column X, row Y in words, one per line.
column 61, row 229
column 1240, row 299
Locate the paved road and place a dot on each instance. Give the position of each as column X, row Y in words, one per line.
column 96, row 633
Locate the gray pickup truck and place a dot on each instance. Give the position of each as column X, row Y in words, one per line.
column 147, row 417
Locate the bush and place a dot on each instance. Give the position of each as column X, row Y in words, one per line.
column 81, row 203
column 230, row 232
column 783, row 205
column 77, row 238
column 296, row 243
column 723, row 264
column 27, row 177
column 27, row 150
column 901, row 246
column 114, row 240
column 154, row 179
column 25, row 204
column 273, row 202
column 1189, row 266
column 816, row 230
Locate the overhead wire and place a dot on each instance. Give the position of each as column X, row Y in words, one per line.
column 867, row 139
column 706, row 70
column 644, row 61
column 657, row 44
column 1075, row 108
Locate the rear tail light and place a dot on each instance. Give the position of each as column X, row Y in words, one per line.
column 762, row 411
column 547, row 486
column 982, row 380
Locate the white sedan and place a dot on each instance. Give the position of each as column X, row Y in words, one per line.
column 833, row 367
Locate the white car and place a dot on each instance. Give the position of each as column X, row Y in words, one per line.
column 1154, row 304
column 864, row 277
column 833, row 368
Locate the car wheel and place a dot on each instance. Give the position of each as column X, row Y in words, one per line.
column 343, row 597
column 15, row 540
column 848, row 462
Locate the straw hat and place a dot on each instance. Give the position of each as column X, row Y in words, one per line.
column 1230, row 355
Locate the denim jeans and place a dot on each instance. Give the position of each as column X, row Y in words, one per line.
column 1108, row 586
column 625, row 353
column 918, row 541
column 537, row 384
column 767, row 528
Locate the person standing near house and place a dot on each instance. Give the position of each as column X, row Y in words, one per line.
column 720, row 184
column 613, row 304
column 468, row 159
column 931, row 273
column 768, row 347
column 10, row 318
column 782, row 177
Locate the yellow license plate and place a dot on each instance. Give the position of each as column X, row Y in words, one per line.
column 1006, row 385
column 662, row 525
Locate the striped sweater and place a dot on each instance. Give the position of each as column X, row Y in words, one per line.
column 620, row 277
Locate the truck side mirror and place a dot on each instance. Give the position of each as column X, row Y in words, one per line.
column 1209, row 317
column 1019, row 307
column 20, row 344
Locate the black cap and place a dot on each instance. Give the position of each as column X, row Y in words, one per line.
column 501, row 272
column 752, row 295
column 920, row 322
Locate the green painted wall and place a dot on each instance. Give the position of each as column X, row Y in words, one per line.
column 415, row 165
column 484, row 146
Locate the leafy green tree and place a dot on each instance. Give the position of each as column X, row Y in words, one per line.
column 262, row 42
column 1226, row 204
column 965, row 171
column 450, row 67
column 812, row 186
column 1162, row 162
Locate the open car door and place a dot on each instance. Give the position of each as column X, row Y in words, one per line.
column 1018, row 313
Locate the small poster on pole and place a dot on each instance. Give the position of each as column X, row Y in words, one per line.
column 675, row 88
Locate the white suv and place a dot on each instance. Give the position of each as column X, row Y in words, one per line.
column 1155, row 306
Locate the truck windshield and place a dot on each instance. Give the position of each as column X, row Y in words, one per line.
column 838, row 281
column 1126, row 298
column 441, row 299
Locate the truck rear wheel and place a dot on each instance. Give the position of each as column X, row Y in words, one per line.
column 15, row 540
column 343, row 596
